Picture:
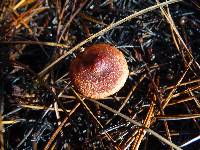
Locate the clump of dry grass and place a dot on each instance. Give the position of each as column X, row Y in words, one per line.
column 158, row 107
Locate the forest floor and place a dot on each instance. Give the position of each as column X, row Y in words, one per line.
column 158, row 107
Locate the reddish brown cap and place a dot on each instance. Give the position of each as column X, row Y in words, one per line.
column 100, row 71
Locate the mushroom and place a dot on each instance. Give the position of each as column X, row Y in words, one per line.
column 100, row 71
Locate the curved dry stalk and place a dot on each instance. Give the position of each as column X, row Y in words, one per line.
column 138, row 124
column 103, row 31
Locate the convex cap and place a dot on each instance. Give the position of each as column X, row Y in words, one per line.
column 100, row 71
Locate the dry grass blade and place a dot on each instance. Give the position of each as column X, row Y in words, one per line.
column 42, row 108
column 111, row 26
column 4, row 122
column 178, row 117
column 23, row 3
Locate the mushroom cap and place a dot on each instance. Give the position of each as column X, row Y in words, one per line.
column 100, row 71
